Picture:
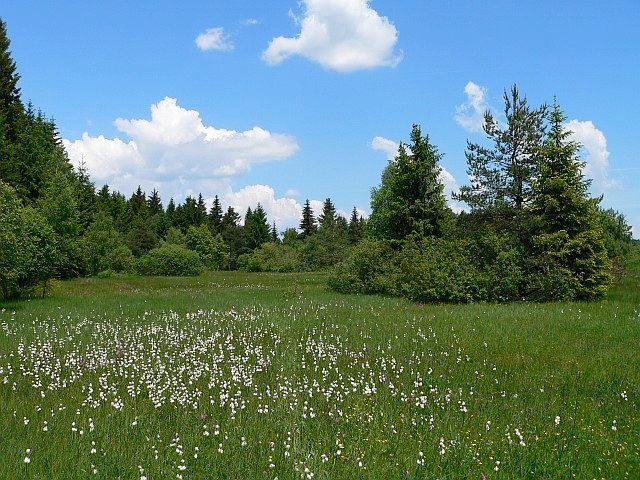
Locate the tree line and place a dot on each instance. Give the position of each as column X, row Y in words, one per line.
column 531, row 230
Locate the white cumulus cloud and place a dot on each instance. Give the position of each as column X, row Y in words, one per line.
column 214, row 39
column 176, row 149
column 470, row 115
column 595, row 153
column 390, row 148
column 342, row 35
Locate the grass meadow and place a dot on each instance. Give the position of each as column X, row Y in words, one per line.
column 264, row 376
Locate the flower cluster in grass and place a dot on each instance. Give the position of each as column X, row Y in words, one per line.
column 257, row 394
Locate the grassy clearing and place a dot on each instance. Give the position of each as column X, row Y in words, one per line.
column 233, row 375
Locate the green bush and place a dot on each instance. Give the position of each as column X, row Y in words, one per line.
column 434, row 270
column 369, row 269
column 169, row 260
column 273, row 257
column 120, row 259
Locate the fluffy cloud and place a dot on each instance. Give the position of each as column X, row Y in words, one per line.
column 286, row 212
column 470, row 115
column 214, row 39
column 390, row 148
column 385, row 145
column 175, row 149
column 342, row 35
column 595, row 153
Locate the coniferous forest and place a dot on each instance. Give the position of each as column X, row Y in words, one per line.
column 531, row 231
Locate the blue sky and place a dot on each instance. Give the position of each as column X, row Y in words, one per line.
column 281, row 101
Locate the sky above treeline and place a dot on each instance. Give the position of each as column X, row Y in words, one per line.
column 279, row 101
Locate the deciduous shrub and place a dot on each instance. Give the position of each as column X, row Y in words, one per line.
column 369, row 268
column 169, row 260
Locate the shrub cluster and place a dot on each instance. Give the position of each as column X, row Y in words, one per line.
column 169, row 260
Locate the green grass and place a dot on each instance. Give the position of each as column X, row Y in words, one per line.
column 291, row 380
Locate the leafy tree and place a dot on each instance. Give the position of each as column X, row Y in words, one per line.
column 212, row 250
column 308, row 225
column 502, row 175
column 98, row 243
column 290, row 236
column 410, row 199
column 616, row 232
column 27, row 246
column 175, row 237
column 59, row 206
column 12, row 248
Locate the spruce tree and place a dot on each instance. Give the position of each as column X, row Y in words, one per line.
column 410, row 199
column 233, row 237
column 274, row 234
column 215, row 216
column 11, row 108
column 568, row 253
column 256, row 228
column 327, row 219
column 201, row 212
column 308, row 225
column 355, row 228
column 154, row 203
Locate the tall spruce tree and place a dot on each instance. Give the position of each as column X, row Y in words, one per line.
column 154, row 203
column 410, row 199
column 11, row 108
column 256, row 228
column 215, row 216
column 308, row 225
column 232, row 233
column 355, row 228
column 501, row 175
column 327, row 219
column 568, row 253
column 274, row 233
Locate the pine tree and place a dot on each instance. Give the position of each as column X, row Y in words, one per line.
column 215, row 216
column 502, row 175
column 410, row 199
column 308, row 225
column 275, row 238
